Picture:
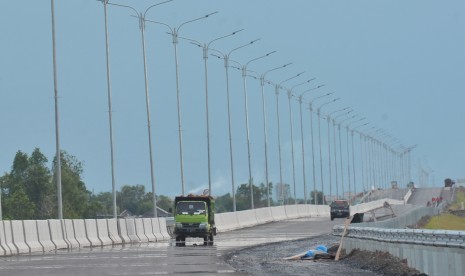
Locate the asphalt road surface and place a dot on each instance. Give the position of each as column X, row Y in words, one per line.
column 163, row 258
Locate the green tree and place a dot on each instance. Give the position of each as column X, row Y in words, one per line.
column 134, row 199
column 165, row 202
column 38, row 185
column 319, row 195
column 75, row 196
column 224, row 203
column 15, row 200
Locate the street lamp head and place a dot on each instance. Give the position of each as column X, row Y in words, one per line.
column 235, row 32
column 207, row 15
column 270, row 53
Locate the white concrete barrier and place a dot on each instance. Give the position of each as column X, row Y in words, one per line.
column 113, row 232
column 131, row 228
column 323, row 210
column 246, row 218
column 148, row 230
column 56, row 233
column 18, row 236
column 70, row 236
column 140, row 230
column 4, row 250
column 32, row 236
column 219, row 222
column 263, row 215
column 278, row 213
column 313, row 210
column 9, row 237
column 164, row 229
column 230, row 221
column 102, row 232
column 303, row 210
column 156, row 229
column 92, row 232
column 45, row 239
column 123, row 231
column 80, row 233
column 291, row 211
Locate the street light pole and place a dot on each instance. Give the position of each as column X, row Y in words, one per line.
column 302, row 139
column 353, row 156
column 310, row 107
column 244, row 78
column 205, row 47
column 328, row 119
column 174, row 32
column 340, row 150
column 57, row 129
column 141, row 17
column 289, row 96
column 277, row 88
column 319, row 140
column 107, row 53
column 225, row 57
column 348, row 156
column 262, row 84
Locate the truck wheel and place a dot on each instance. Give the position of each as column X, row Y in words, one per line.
column 332, row 218
column 205, row 240
column 210, row 238
column 183, row 241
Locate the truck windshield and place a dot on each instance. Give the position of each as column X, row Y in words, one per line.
column 190, row 208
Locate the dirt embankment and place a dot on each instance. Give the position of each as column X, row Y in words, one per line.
column 268, row 260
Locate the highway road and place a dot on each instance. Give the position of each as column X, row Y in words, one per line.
column 163, row 258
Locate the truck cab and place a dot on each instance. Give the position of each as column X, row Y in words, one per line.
column 194, row 217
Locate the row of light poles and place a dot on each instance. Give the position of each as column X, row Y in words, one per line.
column 371, row 145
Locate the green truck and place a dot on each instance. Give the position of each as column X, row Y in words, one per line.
column 194, row 216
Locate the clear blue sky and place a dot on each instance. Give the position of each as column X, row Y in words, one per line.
column 400, row 64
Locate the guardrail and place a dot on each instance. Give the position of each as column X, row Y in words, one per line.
column 434, row 252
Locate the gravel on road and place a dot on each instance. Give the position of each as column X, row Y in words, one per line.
column 269, row 260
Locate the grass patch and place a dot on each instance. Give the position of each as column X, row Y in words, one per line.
column 459, row 198
column 446, row 222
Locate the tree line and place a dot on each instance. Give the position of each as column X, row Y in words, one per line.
column 29, row 191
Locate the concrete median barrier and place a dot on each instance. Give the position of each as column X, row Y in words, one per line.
column 123, row 231
column 292, row 211
column 230, row 221
column 56, row 233
column 9, row 237
column 18, row 236
column 148, row 230
column 156, row 229
column 4, row 250
column 113, row 232
column 246, row 218
column 303, row 210
column 140, row 230
column 80, row 233
column 43, row 231
column 164, row 229
column 70, row 235
column 263, row 215
column 278, row 213
column 323, row 210
column 92, row 232
column 31, row 236
column 102, row 232
column 131, row 228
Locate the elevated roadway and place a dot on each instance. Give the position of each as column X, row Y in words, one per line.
column 163, row 258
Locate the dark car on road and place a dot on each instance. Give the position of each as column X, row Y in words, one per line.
column 340, row 209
